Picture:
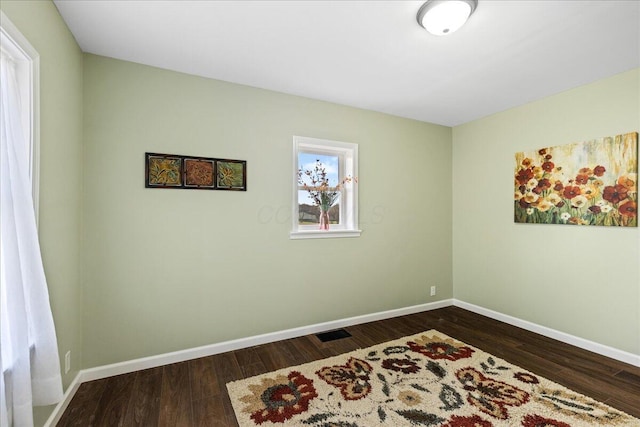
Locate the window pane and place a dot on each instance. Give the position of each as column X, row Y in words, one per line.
column 319, row 168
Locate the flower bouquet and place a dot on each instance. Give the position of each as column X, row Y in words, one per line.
column 324, row 195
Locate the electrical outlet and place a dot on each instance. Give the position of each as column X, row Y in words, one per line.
column 433, row 290
column 67, row 362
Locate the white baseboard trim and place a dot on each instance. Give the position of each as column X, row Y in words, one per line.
column 223, row 347
column 66, row 399
column 613, row 353
column 209, row 350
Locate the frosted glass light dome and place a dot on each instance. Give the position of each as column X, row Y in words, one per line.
column 441, row 17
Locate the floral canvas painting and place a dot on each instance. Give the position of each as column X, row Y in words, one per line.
column 588, row 183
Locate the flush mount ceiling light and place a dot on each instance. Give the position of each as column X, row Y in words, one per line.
column 441, row 17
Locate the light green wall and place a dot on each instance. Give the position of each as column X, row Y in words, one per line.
column 167, row 270
column 60, row 166
column 584, row 281
column 173, row 269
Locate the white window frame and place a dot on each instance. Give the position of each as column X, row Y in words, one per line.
column 27, row 71
column 27, row 61
column 347, row 154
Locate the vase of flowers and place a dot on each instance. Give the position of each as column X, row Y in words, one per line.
column 324, row 195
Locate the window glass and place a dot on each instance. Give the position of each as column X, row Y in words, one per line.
column 318, row 167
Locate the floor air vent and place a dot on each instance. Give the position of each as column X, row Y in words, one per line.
column 333, row 335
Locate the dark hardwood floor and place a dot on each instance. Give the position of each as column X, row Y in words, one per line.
column 193, row 393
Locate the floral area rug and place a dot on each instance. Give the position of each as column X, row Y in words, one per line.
column 428, row 379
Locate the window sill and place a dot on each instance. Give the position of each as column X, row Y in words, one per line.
column 323, row 234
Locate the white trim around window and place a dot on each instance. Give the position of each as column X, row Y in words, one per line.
column 347, row 160
column 27, row 61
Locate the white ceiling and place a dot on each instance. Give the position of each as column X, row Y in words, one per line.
column 373, row 54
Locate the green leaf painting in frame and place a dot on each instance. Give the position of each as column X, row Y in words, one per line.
column 231, row 175
column 588, row 183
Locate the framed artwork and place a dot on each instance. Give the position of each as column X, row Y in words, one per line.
column 199, row 173
column 231, row 175
column 588, row 183
column 189, row 172
column 163, row 171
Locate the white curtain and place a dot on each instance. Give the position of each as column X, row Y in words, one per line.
column 29, row 350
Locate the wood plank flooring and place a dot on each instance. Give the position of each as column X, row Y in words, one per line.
column 193, row 393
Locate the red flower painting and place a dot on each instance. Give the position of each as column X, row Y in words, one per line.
column 590, row 183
